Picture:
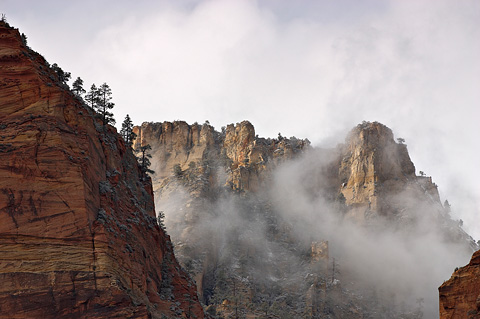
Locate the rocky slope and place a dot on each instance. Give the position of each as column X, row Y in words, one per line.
column 460, row 295
column 245, row 213
column 79, row 237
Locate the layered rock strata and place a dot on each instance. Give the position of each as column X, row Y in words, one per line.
column 460, row 295
column 79, row 236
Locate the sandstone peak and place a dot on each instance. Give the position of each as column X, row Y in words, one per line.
column 373, row 165
column 370, row 132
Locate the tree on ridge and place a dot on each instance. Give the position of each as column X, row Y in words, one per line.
column 92, row 96
column 127, row 131
column 63, row 76
column 104, row 104
column 144, row 160
column 77, row 87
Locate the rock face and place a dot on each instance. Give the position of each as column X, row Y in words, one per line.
column 460, row 295
column 369, row 168
column 371, row 158
column 195, row 166
column 79, row 236
column 219, row 192
column 374, row 170
column 245, row 156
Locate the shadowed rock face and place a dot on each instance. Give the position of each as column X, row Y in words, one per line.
column 460, row 295
column 78, row 232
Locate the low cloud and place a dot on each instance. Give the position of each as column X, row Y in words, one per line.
column 263, row 238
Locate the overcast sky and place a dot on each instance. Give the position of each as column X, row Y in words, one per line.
column 310, row 69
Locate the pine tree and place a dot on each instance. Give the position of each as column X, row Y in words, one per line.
column 24, row 39
column 92, row 97
column 447, row 207
column 127, row 131
column 77, row 87
column 144, row 160
column 161, row 220
column 63, row 76
column 3, row 20
column 105, row 104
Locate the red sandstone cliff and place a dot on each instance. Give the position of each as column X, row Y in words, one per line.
column 78, row 232
column 460, row 295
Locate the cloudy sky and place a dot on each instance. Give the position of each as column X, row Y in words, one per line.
column 303, row 68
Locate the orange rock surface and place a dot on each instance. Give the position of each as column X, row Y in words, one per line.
column 373, row 168
column 460, row 295
column 237, row 148
column 78, row 232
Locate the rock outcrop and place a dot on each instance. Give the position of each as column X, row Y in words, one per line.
column 245, row 156
column 460, row 295
column 375, row 171
column 79, row 236
column 195, row 165
column 370, row 159
column 218, row 191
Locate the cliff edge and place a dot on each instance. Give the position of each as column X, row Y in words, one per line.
column 79, row 237
column 245, row 157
